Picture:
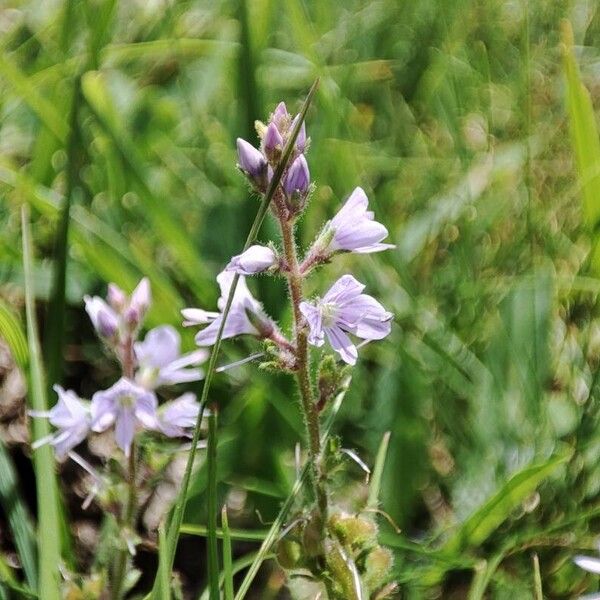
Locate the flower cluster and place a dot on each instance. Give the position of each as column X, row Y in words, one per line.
column 344, row 309
column 131, row 404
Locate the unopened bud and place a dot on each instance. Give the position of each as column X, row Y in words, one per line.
column 272, row 143
column 252, row 163
column 116, row 297
column 297, row 184
column 301, row 139
column 107, row 324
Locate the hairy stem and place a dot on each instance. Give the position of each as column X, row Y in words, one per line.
column 309, row 408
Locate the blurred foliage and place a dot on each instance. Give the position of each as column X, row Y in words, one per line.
column 453, row 116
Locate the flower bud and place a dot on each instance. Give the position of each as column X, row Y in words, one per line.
column 296, row 184
column 141, row 297
column 354, row 530
column 116, row 297
column 378, row 564
column 301, row 139
column 107, row 325
column 272, row 143
column 280, row 113
column 254, row 260
column 252, row 163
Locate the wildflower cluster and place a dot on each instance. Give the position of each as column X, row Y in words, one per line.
column 130, row 405
column 128, row 413
column 322, row 541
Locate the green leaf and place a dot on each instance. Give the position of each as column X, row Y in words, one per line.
column 375, row 484
column 11, row 331
column 584, row 132
column 211, row 459
column 18, row 516
column 481, row 524
column 227, row 560
column 49, row 533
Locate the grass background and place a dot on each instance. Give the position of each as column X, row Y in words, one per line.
column 474, row 140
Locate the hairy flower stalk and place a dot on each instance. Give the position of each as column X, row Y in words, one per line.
column 340, row 551
column 309, row 407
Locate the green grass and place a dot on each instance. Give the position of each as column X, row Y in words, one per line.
column 473, row 128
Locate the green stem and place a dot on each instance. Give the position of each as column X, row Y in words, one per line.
column 309, row 408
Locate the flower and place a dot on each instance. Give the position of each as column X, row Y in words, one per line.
column 591, row 564
column 127, row 406
column 177, row 417
column 197, row 316
column 104, row 319
column 246, row 315
column 71, row 416
column 345, row 309
column 252, row 162
column 254, row 260
column 297, row 179
column 107, row 317
column 354, row 228
column 160, row 361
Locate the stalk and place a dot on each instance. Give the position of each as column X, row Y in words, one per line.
column 309, row 408
column 128, row 513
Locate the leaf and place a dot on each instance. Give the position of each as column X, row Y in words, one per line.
column 584, row 131
column 11, row 331
column 49, row 532
column 211, row 459
column 227, row 561
column 375, row 484
column 481, row 524
column 18, row 516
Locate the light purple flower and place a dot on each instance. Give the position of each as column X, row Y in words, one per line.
column 354, row 228
column 251, row 160
column 297, row 179
column 254, row 260
column 127, row 406
column 245, row 317
column 178, row 417
column 71, row 417
column 104, row 319
column 345, row 309
column 160, row 361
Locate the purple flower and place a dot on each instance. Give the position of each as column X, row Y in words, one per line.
column 354, row 229
column 71, row 417
column 104, row 319
column 177, row 417
column 252, row 162
column 297, row 179
column 160, row 361
column 345, row 309
column 245, row 317
column 272, row 142
column 254, row 260
column 127, row 406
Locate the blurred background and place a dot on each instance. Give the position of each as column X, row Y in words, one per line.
column 454, row 117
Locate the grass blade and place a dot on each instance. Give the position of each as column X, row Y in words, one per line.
column 243, row 535
column 49, row 534
column 227, row 560
column 18, row 517
column 375, row 484
column 213, row 550
column 584, row 132
column 175, row 523
column 55, row 328
column 163, row 567
column 12, row 333
column 537, row 579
